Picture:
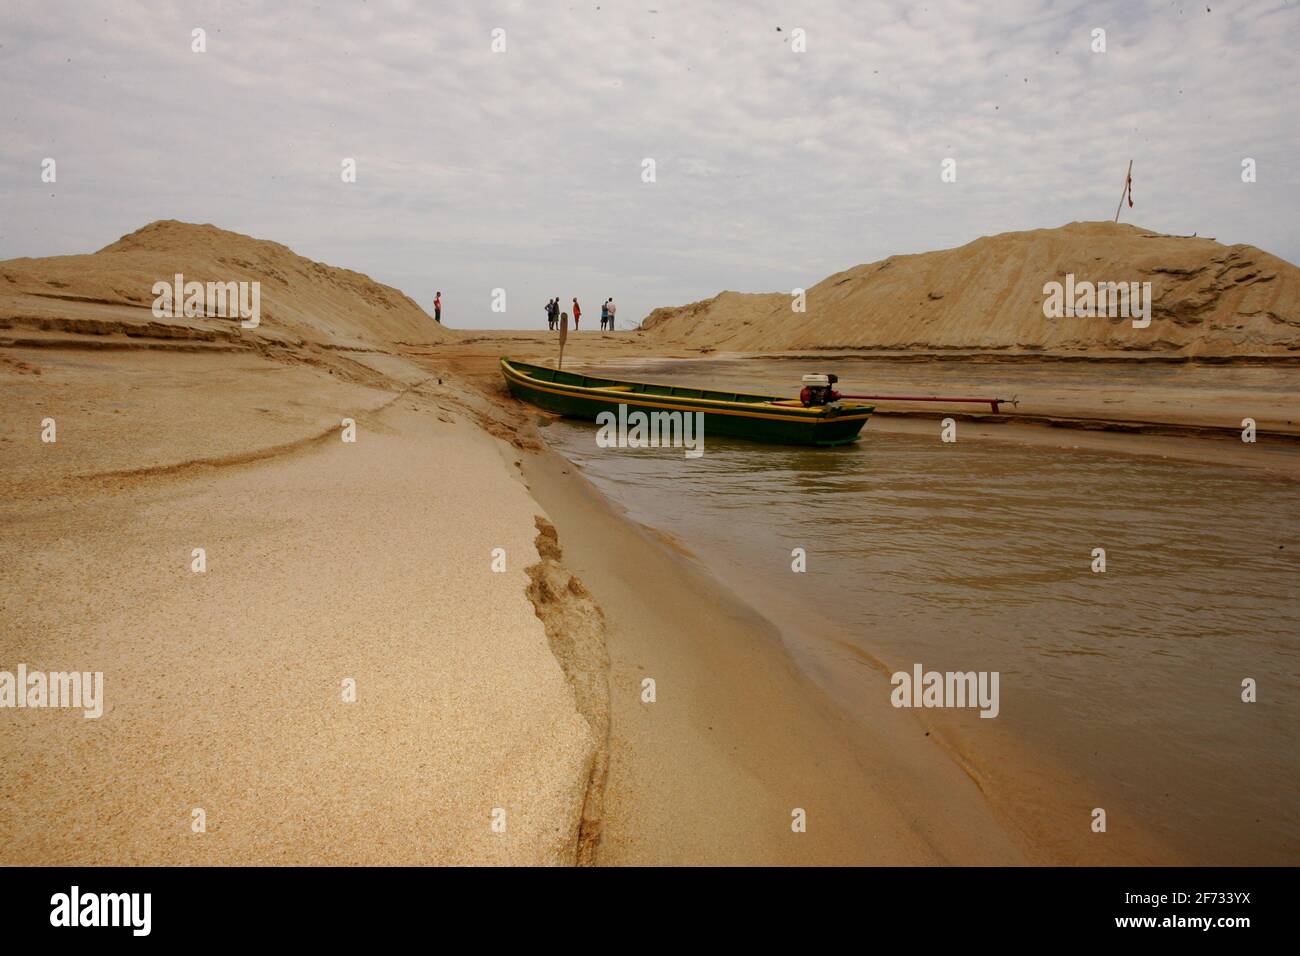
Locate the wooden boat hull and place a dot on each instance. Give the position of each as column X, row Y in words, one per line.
column 729, row 414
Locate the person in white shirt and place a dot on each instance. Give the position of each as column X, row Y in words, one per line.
column 611, row 314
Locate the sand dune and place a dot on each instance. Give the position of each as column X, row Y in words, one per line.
column 1207, row 299
column 110, row 292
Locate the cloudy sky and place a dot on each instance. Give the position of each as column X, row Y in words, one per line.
column 522, row 169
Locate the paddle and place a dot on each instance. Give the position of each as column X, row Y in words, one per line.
column 564, row 334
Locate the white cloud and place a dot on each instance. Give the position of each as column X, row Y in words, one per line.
column 522, row 170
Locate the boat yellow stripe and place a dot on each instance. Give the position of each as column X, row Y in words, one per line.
column 586, row 390
column 527, row 379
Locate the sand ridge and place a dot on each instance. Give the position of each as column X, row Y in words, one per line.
column 1208, row 299
column 110, row 292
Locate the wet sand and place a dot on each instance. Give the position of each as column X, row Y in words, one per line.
column 738, row 738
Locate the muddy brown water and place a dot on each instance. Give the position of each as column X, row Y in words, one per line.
column 1120, row 690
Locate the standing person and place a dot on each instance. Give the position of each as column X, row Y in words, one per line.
column 437, row 307
column 550, row 314
column 604, row 314
column 611, row 313
column 555, row 311
column 577, row 313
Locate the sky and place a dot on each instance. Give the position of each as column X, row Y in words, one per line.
column 779, row 157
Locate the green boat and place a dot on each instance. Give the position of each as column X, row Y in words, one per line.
column 763, row 418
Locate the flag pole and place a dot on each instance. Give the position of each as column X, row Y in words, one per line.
column 1128, row 178
column 564, row 334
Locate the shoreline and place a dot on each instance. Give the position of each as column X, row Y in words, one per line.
column 1042, row 819
column 734, row 710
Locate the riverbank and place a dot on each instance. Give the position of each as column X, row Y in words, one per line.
column 308, row 654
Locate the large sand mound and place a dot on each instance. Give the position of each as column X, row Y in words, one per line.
column 1207, row 299
column 110, row 291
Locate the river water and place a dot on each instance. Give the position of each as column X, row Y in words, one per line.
column 1119, row 690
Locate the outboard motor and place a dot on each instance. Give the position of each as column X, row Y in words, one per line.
column 819, row 390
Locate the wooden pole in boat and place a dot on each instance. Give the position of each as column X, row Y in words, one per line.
column 564, row 334
column 995, row 403
column 1128, row 181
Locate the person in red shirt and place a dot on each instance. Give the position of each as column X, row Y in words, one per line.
column 577, row 313
column 437, row 308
